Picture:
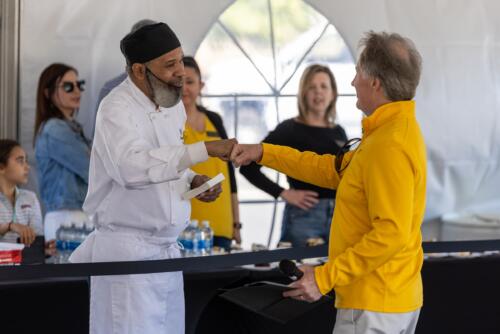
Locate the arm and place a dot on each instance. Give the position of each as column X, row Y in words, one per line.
column 130, row 159
column 255, row 176
column 4, row 228
column 389, row 187
column 253, row 173
column 304, row 166
column 26, row 233
column 68, row 148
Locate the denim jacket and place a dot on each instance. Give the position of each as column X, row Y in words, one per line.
column 63, row 156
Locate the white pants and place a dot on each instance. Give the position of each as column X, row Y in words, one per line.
column 350, row 321
column 133, row 304
column 137, row 304
column 54, row 219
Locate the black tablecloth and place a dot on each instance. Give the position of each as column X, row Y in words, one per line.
column 460, row 296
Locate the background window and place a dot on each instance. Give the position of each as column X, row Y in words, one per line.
column 252, row 67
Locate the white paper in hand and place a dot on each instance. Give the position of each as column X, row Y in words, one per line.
column 204, row 187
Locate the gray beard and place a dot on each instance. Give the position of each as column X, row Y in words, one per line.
column 164, row 95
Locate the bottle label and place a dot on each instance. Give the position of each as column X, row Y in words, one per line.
column 187, row 244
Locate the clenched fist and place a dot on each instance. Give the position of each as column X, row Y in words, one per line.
column 243, row 154
column 220, row 148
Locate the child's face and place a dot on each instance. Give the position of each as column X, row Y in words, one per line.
column 17, row 169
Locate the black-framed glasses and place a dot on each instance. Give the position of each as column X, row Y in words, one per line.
column 69, row 86
column 343, row 150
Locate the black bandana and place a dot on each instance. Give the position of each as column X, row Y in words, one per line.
column 148, row 43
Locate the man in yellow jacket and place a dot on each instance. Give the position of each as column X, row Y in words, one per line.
column 375, row 250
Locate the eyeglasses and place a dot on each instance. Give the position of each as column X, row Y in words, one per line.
column 343, row 150
column 69, row 86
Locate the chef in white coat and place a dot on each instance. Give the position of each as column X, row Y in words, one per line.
column 139, row 168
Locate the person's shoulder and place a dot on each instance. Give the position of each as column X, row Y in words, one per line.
column 27, row 195
column 287, row 124
column 115, row 82
column 119, row 91
column 119, row 97
column 339, row 129
column 282, row 133
column 54, row 125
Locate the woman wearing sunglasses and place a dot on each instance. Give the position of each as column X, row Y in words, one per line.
column 61, row 149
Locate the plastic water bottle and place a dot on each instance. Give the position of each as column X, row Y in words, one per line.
column 206, row 238
column 62, row 246
column 195, row 236
column 184, row 240
column 189, row 238
column 73, row 237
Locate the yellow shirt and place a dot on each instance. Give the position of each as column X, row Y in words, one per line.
column 218, row 213
column 375, row 250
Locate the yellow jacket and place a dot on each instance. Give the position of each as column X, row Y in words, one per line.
column 375, row 251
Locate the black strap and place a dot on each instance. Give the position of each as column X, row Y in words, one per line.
column 210, row 263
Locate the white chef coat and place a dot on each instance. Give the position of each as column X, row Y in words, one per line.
column 138, row 172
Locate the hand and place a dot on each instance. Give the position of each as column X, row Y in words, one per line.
column 220, row 148
column 304, row 199
column 306, row 288
column 243, row 154
column 207, row 196
column 26, row 233
column 237, row 235
column 50, row 247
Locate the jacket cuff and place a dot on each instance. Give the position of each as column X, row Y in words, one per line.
column 323, row 279
column 190, row 176
column 195, row 153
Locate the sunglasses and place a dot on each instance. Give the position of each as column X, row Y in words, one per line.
column 343, row 150
column 69, row 86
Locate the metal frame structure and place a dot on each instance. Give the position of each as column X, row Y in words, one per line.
column 275, row 92
column 9, row 67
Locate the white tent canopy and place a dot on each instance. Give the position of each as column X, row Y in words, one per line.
column 458, row 103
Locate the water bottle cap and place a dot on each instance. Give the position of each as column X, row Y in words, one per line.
column 206, row 223
column 194, row 222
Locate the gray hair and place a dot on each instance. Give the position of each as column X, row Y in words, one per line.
column 394, row 60
column 142, row 23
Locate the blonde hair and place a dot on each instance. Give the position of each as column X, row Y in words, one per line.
column 305, row 80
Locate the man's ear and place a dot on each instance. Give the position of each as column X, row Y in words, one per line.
column 139, row 71
column 202, row 84
column 376, row 84
column 46, row 93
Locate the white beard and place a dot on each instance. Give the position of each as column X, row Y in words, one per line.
column 164, row 95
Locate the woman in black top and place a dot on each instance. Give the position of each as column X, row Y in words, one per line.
column 309, row 208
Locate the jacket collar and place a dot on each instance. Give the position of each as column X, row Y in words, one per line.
column 386, row 113
column 139, row 95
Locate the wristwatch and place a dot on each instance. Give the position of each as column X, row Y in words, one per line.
column 237, row 225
